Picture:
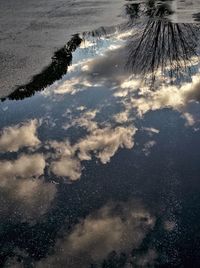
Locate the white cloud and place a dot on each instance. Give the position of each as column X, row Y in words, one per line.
column 105, row 142
column 81, row 108
column 122, row 117
column 25, row 166
column 15, row 137
column 190, row 121
column 124, row 35
column 167, row 97
column 26, row 197
column 131, row 84
column 72, row 86
column 67, row 167
column 117, row 227
column 86, row 120
column 151, row 130
column 143, row 99
column 147, row 147
column 66, row 164
column 102, row 143
column 86, row 44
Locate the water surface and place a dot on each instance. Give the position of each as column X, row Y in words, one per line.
column 99, row 161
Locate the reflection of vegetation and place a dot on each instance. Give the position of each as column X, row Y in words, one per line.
column 150, row 9
column 102, row 31
column 196, row 17
column 161, row 44
column 60, row 62
column 158, row 45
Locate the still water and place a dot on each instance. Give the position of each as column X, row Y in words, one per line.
column 99, row 153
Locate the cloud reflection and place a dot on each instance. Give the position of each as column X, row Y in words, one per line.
column 118, row 227
column 67, row 164
column 105, row 142
column 176, row 97
column 16, row 137
column 23, row 195
column 102, row 143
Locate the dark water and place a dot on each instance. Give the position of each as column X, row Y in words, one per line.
column 100, row 151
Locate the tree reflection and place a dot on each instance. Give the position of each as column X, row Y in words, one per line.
column 60, row 62
column 161, row 46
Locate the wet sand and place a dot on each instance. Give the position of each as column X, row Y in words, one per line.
column 31, row 31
